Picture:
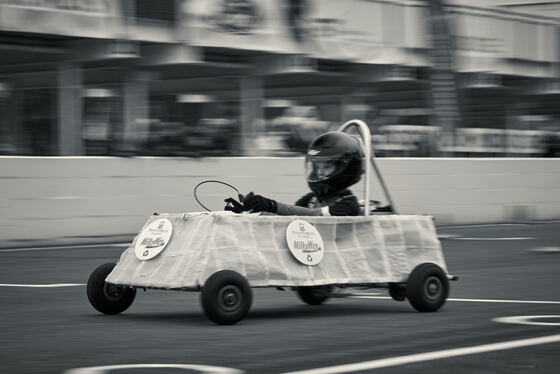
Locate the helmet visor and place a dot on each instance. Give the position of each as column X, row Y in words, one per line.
column 318, row 169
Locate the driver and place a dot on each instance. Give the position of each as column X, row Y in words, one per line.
column 333, row 163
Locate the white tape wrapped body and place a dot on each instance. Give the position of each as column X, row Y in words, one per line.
column 358, row 250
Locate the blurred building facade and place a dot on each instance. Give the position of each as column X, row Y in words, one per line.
column 263, row 77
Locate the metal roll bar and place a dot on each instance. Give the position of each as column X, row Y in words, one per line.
column 369, row 155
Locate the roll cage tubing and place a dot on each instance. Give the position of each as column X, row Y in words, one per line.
column 365, row 134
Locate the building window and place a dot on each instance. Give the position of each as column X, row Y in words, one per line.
column 160, row 10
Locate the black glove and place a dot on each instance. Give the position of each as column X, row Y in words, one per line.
column 258, row 203
column 233, row 205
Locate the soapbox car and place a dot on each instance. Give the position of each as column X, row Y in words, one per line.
column 223, row 255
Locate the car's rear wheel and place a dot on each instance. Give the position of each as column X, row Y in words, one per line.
column 314, row 295
column 226, row 297
column 427, row 287
column 106, row 297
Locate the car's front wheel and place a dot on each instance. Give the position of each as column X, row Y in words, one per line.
column 106, row 297
column 427, row 287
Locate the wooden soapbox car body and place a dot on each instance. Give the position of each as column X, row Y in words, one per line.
column 223, row 255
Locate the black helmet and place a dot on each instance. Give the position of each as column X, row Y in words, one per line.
column 333, row 162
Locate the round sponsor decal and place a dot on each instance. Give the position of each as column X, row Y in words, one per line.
column 305, row 242
column 153, row 239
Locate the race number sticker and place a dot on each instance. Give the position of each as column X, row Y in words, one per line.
column 305, row 242
column 153, row 239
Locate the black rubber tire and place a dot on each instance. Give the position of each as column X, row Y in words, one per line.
column 106, row 297
column 397, row 291
column 427, row 287
column 314, row 295
column 226, row 297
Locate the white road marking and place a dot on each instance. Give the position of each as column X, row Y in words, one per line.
column 52, row 285
column 494, row 239
column 527, row 320
column 448, row 236
column 504, row 301
column 65, row 247
column 476, row 225
column 67, row 198
column 365, row 296
column 198, row 368
column 429, row 356
column 364, row 293
column 546, row 249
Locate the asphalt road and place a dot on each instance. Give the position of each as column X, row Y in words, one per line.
column 55, row 330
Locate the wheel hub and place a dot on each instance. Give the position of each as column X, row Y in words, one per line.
column 230, row 298
column 433, row 288
column 113, row 292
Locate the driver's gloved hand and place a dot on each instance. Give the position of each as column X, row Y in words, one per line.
column 258, row 203
column 233, row 205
